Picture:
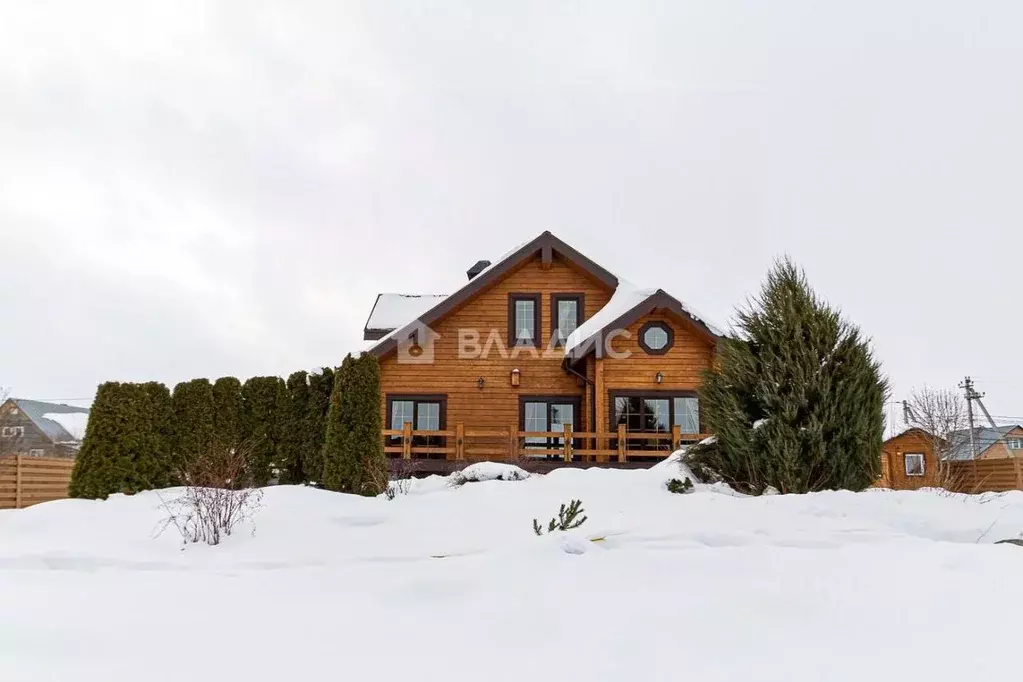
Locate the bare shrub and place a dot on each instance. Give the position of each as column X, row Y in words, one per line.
column 402, row 471
column 214, row 500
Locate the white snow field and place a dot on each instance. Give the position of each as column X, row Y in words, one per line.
column 452, row 584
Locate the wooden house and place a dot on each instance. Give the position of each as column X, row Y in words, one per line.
column 540, row 354
column 39, row 429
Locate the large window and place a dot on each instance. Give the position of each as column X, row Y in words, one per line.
column 543, row 413
column 425, row 413
column 524, row 320
column 654, row 413
column 566, row 315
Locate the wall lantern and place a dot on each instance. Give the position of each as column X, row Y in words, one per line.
column 480, row 383
column 659, row 377
column 516, row 377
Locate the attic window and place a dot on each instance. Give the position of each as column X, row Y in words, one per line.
column 914, row 464
column 524, row 320
column 12, row 431
column 656, row 338
column 1014, row 443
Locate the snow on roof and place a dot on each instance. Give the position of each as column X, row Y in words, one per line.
column 396, row 310
column 51, row 418
column 626, row 297
column 72, row 422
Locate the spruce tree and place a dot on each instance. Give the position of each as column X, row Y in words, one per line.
column 796, row 402
column 194, row 429
column 261, row 400
column 321, row 386
column 295, row 435
column 228, row 412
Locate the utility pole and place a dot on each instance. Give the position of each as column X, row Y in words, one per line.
column 971, row 395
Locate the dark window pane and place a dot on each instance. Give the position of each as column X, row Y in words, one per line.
column 655, row 414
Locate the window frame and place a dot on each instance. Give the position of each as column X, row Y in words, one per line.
column 580, row 306
column 41, row 451
column 1018, row 440
column 661, row 324
column 906, row 460
column 12, row 432
column 669, row 394
column 416, row 399
column 513, row 338
column 551, row 442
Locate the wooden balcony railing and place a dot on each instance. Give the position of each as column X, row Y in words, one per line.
column 513, row 443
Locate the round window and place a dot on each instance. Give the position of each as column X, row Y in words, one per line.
column 656, row 337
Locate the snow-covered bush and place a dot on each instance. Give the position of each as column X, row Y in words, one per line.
column 567, row 519
column 680, row 486
column 488, row 471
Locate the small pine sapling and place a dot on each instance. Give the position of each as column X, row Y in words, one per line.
column 568, row 518
column 680, row 487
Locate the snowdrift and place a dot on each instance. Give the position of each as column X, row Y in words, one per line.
column 450, row 583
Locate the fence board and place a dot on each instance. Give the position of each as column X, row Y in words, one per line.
column 25, row 481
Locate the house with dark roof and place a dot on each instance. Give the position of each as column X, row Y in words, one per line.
column 38, row 429
column 537, row 342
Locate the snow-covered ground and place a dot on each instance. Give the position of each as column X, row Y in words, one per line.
column 452, row 584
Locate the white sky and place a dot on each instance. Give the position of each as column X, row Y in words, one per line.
column 204, row 189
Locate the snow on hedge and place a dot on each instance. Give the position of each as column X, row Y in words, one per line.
column 452, row 583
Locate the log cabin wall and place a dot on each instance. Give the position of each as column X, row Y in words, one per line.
column 496, row 405
column 681, row 366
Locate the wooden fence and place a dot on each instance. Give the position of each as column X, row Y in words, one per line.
column 25, row 481
column 513, row 444
column 986, row 475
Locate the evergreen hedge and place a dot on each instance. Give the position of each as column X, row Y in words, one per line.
column 261, row 399
column 194, row 429
column 354, row 459
column 127, row 441
column 228, row 412
column 321, row 386
column 796, row 402
column 295, row 434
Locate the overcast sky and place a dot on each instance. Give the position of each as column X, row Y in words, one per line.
column 221, row 188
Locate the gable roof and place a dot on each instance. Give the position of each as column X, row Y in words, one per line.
column 46, row 415
column 984, row 438
column 627, row 305
column 546, row 244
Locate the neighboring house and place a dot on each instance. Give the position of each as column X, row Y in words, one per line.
column 910, row 460
column 999, row 442
column 38, row 429
column 540, row 339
